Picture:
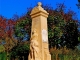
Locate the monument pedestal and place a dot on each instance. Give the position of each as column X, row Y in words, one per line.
column 39, row 49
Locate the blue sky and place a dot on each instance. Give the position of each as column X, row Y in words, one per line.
column 10, row 7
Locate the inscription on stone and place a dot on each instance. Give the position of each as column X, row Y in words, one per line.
column 44, row 35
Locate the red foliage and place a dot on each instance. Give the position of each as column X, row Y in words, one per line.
column 9, row 33
column 10, row 22
column 6, row 27
column 68, row 16
column 2, row 26
column 10, row 26
column 2, row 23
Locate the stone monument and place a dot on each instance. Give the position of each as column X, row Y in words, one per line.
column 39, row 49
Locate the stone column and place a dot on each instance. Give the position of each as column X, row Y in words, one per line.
column 39, row 49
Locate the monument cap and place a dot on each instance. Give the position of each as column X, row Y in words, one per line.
column 39, row 3
column 38, row 10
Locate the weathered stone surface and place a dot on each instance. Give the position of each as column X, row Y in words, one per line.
column 39, row 49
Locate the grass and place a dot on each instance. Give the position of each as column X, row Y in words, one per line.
column 3, row 56
column 57, row 54
column 65, row 57
column 65, row 54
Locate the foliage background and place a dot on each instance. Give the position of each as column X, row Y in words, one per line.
column 63, row 31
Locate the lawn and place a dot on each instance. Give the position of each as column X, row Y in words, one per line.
column 3, row 56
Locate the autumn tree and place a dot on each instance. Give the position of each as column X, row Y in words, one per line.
column 22, row 29
column 6, row 33
column 62, row 27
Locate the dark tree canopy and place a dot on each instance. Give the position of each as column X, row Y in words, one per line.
column 62, row 27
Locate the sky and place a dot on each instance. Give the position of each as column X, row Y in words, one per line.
column 10, row 7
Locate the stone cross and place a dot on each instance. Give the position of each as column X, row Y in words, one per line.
column 39, row 49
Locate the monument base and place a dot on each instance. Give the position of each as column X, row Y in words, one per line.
column 48, row 57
